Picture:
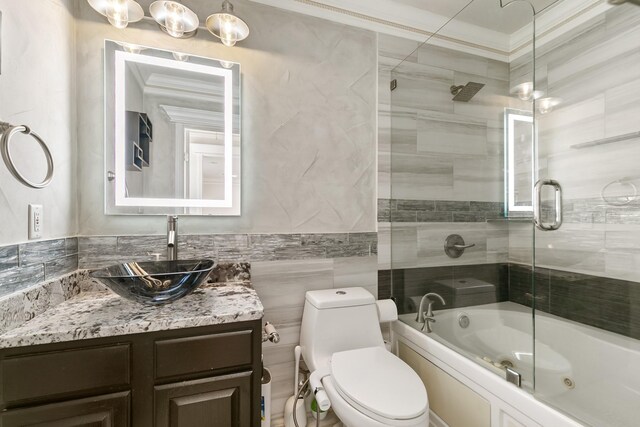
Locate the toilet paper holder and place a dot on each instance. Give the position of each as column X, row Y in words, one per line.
column 270, row 333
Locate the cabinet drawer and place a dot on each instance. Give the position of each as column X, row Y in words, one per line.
column 40, row 376
column 210, row 402
column 202, row 354
column 104, row 411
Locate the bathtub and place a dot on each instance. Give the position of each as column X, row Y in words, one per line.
column 567, row 352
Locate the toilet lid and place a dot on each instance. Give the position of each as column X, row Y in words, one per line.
column 379, row 383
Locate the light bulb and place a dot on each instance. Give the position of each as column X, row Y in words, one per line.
column 228, row 30
column 180, row 56
column 546, row 105
column 226, row 64
column 174, row 21
column 117, row 12
column 120, row 13
column 525, row 92
column 227, row 26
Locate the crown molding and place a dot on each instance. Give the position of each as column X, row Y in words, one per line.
column 388, row 17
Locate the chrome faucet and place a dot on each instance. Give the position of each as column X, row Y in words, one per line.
column 172, row 238
column 427, row 318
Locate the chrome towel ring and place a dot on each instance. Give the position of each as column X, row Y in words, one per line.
column 8, row 131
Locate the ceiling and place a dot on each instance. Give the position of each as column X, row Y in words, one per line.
column 482, row 13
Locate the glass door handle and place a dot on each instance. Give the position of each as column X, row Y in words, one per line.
column 537, row 205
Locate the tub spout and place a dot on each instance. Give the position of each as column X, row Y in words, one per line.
column 427, row 317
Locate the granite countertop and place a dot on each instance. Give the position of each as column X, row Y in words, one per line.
column 97, row 312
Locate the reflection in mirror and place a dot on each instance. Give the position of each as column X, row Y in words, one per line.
column 520, row 170
column 172, row 133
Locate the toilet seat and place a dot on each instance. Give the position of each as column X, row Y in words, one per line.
column 379, row 385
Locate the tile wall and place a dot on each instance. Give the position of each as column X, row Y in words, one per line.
column 27, row 264
column 446, row 156
column 595, row 70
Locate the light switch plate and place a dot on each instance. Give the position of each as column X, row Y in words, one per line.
column 35, row 222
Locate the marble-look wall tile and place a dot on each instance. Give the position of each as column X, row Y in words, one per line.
column 281, row 286
column 431, row 147
column 38, row 90
column 356, row 271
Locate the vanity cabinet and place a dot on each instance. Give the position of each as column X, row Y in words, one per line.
column 204, row 376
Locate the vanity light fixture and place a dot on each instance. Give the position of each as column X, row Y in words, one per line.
column 525, row 91
column 118, row 12
column 226, row 26
column 546, row 105
column 174, row 18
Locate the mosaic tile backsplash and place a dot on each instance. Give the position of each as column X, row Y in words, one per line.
column 26, row 264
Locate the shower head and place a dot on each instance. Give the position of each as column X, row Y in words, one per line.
column 464, row 93
column 619, row 2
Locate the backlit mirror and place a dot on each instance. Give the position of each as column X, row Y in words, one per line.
column 520, row 170
column 172, row 133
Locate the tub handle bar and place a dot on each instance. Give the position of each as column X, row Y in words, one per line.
column 537, row 205
column 464, row 246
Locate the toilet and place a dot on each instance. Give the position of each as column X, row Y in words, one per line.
column 342, row 345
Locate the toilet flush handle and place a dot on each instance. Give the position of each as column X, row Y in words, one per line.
column 315, row 381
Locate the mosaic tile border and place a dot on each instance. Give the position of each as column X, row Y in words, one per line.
column 405, row 210
column 100, row 251
column 26, row 264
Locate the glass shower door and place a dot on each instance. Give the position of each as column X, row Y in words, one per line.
column 587, row 245
column 458, row 108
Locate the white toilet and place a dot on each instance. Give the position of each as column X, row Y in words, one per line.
column 342, row 345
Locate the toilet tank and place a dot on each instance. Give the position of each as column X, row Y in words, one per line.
column 337, row 320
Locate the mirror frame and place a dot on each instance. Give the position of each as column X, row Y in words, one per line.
column 115, row 196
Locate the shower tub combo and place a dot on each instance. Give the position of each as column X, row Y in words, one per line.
column 466, row 356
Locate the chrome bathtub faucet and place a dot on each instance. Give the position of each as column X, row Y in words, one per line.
column 427, row 318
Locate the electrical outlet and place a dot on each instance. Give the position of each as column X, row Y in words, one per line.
column 35, row 222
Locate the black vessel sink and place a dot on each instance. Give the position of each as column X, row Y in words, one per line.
column 155, row 282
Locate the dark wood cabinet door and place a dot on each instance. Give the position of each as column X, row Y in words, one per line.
column 210, row 402
column 110, row 410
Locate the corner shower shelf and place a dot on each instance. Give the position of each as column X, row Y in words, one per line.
column 604, row 141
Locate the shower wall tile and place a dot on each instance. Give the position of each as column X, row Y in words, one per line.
column 597, row 301
column 411, row 284
column 601, row 302
column 451, row 134
column 440, row 149
column 423, row 87
column 522, row 281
